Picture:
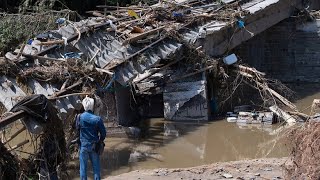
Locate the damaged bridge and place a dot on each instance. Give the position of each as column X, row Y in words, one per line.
column 142, row 59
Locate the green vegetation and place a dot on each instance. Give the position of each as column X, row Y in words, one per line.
column 23, row 19
column 15, row 29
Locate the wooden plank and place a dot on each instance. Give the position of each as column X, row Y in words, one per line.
column 12, row 118
column 41, row 57
column 142, row 35
column 104, row 71
column 190, row 74
column 15, row 134
column 48, row 43
column 284, row 115
column 67, row 89
column 67, row 95
column 277, row 95
column 154, row 72
column 19, row 145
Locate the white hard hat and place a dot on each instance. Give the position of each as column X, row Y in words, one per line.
column 88, row 103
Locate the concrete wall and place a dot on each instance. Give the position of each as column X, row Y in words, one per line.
column 288, row 51
column 186, row 100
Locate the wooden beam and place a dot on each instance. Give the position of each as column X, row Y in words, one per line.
column 277, row 95
column 61, row 92
column 117, row 7
column 41, row 57
column 15, row 134
column 48, row 43
column 160, row 69
column 19, row 145
column 104, row 71
column 12, row 118
column 67, row 95
column 284, row 115
column 142, row 35
column 190, row 74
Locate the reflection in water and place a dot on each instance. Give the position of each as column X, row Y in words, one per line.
column 175, row 145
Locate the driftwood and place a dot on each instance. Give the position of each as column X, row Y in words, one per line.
column 249, row 69
column 48, row 43
column 191, row 74
column 126, row 23
column 305, row 116
column 19, row 145
column 117, row 7
column 67, row 95
column 15, row 134
column 96, row 13
column 12, row 118
column 61, row 92
column 142, row 35
column 104, row 71
column 95, row 54
column 257, row 77
column 41, row 57
column 154, row 72
column 285, row 116
column 278, row 96
column 20, row 51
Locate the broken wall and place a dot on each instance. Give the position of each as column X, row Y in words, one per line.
column 288, row 51
column 186, row 100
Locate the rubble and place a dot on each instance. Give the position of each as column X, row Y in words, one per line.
column 134, row 47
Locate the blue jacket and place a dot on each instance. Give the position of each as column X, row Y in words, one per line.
column 90, row 126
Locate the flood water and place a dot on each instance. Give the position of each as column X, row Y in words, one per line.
column 178, row 145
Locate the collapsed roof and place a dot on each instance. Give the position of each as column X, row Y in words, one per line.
column 130, row 43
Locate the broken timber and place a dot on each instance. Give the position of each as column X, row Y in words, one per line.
column 142, row 35
column 282, row 114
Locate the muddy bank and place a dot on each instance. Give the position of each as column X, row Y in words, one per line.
column 270, row 168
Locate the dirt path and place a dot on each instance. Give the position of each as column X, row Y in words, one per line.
column 246, row 169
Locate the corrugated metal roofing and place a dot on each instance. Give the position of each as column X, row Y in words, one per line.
column 11, row 92
column 104, row 47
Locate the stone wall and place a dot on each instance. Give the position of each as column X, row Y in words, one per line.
column 288, row 51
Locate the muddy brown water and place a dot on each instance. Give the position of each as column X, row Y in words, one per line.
column 178, row 145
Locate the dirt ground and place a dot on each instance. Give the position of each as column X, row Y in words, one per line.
column 256, row 169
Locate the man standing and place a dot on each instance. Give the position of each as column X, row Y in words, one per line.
column 92, row 134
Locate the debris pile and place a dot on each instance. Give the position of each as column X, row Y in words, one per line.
column 305, row 153
column 47, row 139
column 139, row 47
